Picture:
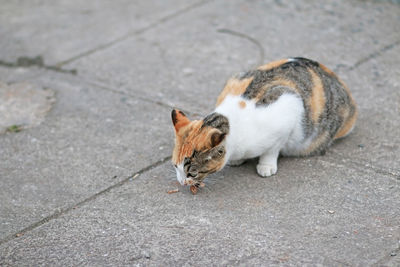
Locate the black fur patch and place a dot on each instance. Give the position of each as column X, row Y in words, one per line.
column 174, row 117
column 217, row 121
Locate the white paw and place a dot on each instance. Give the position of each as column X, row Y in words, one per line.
column 236, row 162
column 265, row 170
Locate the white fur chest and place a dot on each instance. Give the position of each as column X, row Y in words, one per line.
column 254, row 130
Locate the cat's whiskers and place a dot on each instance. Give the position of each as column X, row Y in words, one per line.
column 171, row 171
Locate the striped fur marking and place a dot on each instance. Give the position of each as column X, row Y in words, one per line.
column 317, row 100
column 347, row 125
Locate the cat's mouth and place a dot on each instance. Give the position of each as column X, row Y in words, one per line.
column 190, row 181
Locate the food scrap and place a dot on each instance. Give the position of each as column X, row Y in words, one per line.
column 193, row 189
column 173, row 191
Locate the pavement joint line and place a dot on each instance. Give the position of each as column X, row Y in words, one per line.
column 159, row 103
column 134, row 32
column 27, row 62
column 366, row 165
column 249, row 38
column 62, row 211
column 374, row 55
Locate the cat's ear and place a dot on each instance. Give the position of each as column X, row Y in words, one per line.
column 217, row 138
column 179, row 119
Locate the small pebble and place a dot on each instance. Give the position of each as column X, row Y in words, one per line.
column 393, row 254
column 361, row 146
column 146, row 254
column 188, row 71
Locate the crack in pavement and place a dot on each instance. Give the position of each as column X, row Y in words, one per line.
column 385, row 259
column 249, row 38
column 375, row 54
column 372, row 55
column 132, row 33
column 366, row 165
column 156, row 102
column 37, row 61
column 63, row 211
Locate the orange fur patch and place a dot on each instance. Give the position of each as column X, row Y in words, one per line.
column 277, row 82
column 181, row 120
column 330, row 72
column 234, row 87
column 189, row 138
column 348, row 122
column 327, row 70
column 242, row 104
column 272, row 64
column 347, row 125
column 317, row 143
column 317, row 100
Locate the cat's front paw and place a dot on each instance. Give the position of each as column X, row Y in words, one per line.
column 265, row 170
column 235, row 163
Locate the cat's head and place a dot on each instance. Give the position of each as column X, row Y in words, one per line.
column 199, row 146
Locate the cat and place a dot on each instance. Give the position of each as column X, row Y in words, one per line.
column 292, row 107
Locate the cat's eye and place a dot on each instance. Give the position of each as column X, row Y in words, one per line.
column 220, row 151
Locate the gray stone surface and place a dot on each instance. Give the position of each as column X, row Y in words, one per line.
column 87, row 187
column 61, row 30
column 23, row 106
column 313, row 212
column 91, row 139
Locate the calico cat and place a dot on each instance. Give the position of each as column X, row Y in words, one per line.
column 293, row 107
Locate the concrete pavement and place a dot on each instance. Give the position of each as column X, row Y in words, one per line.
column 88, row 185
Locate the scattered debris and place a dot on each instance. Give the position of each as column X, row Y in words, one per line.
column 146, row 254
column 14, row 128
column 331, row 211
column 19, row 234
column 193, row 189
column 173, row 191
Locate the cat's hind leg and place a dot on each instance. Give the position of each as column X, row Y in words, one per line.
column 268, row 163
